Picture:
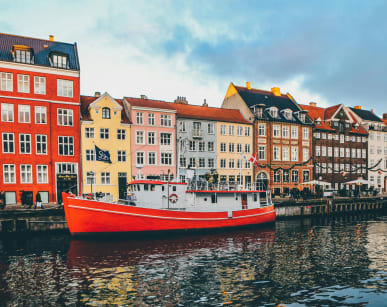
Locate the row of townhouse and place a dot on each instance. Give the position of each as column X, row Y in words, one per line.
column 49, row 134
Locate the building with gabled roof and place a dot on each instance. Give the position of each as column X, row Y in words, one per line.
column 39, row 127
column 377, row 145
column 105, row 124
column 339, row 145
column 282, row 136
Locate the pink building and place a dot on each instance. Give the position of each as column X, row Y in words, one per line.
column 153, row 138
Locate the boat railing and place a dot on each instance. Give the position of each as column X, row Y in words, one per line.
column 202, row 185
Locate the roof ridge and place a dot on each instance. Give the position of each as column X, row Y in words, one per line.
column 34, row 38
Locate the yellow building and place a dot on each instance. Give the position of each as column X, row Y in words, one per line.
column 234, row 148
column 105, row 124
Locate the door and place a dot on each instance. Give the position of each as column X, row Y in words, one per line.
column 122, row 186
column 244, row 201
column 66, row 183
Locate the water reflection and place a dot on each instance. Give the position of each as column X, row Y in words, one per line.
column 309, row 262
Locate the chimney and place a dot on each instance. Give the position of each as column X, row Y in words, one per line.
column 143, row 96
column 313, row 104
column 97, row 94
column 358, row 107
column 205, row 104
column 276, row 91
column 372, row 111
column 384, row 115
column 181, row 100
column 248, row 85
column 51, row 38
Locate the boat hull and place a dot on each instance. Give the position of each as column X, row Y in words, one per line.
column 94, row 217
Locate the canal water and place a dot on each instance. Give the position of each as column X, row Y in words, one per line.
column 335, row 262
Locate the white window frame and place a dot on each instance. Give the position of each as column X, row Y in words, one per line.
column 26, row 173
column 65, row 88
column 40, row 85
column 89, row 133
column 40, row 115
column 6, row 140
column 152, row 155
column 65, row 117
column 9, row 173
column 66, row 145
column 7, row 113
column 24, row 113
column 41, row 139
column 23, row 83
column 41, row 173
column 27, row 143
column 6, row 81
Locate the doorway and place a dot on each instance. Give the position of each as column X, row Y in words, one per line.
column 66, row 183
column 244, row 201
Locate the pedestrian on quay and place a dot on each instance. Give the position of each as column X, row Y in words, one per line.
column 38, row 199
column 2, row 200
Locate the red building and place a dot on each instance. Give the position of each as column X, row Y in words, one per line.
column 39, row 126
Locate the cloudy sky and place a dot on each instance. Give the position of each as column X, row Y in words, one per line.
column 325, row 51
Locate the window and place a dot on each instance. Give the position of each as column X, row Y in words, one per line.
column 140, row 137
column 121, row 134
column 104, row 133
column 166, row 120
column 317, row 151
column 358, row 151
column 261, row 129
column 9, row 175
column 294, row 132
column 183, row 162
column 222, row 129
column 210, row 146
column 231, row 163
column 105, row 178
column 151, row 138
column 165, row 139
column 230, row 130
column 323, row 135
column 192, row 162
column 64, row 88
column 24, row 143
column 197, row 129
column 7, row 112
column 89, row 133
column 152, row 158
column 239, row 148
column 285, row 153
column 342, row 138
column 222, row 163
column 23, row 83
column 294, row 154
column 66, row 145
column 65, row 117
column 8, row 142
column 90, row 155
column 105, row 113
column 24, row 114
column 42, row 173
column 202, row 162
column 139, row 118
column 25, row 173
column 305, row 176
column 41, row 144
column 247, row 148
column 202, row 146
column 294, row 176
column 6, row 81
column 40, row 85
column 211, row 163
column 276, row 153
column 285, row 176
column 354, row 152
column 151, row 119
column 192, row 145
column 305, row 133
column 323, row 151
column 166, row 158
column 347, row 152
column 364, row 152
column 222, row 147
column 140, row 157
column 276, row 131
column 273, row 112
column 247, row 131
column 240, row 131
column 262, row 152
column 305, row 154
column 277, row 176
column 59, row 61
column 231, row 147
column 211, row 129
column 285, row 132
column 90, row 178
column 121, row 156
column 40, row 115
column 182, row 126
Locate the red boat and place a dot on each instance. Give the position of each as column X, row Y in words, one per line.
column 154, row 206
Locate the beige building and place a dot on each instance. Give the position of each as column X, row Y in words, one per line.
column 105, row 124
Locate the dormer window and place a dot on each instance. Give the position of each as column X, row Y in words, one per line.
column 318, row 121
column 59, row 60
column 23, row 54
column 301, row 116
column 288, row 114
column 273, row 112
column 106, row 113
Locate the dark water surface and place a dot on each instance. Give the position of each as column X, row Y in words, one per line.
column 336, row 262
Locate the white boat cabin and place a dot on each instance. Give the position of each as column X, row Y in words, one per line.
column 195, row 196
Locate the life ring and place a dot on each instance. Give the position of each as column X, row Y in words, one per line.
column 173, row 198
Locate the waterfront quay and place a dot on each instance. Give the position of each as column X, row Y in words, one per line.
column 16, row 219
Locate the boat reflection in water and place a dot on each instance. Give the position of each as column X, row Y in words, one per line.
column 142, row 272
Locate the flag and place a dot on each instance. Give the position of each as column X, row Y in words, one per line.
column 343, row 173
column 253, row 159
column 102, row 155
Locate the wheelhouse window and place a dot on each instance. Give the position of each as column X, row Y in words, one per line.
column 65, row 117
column 6, row 112
column 65, row 88
column 106, row 113
column 59, row 60
column 6, row 81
